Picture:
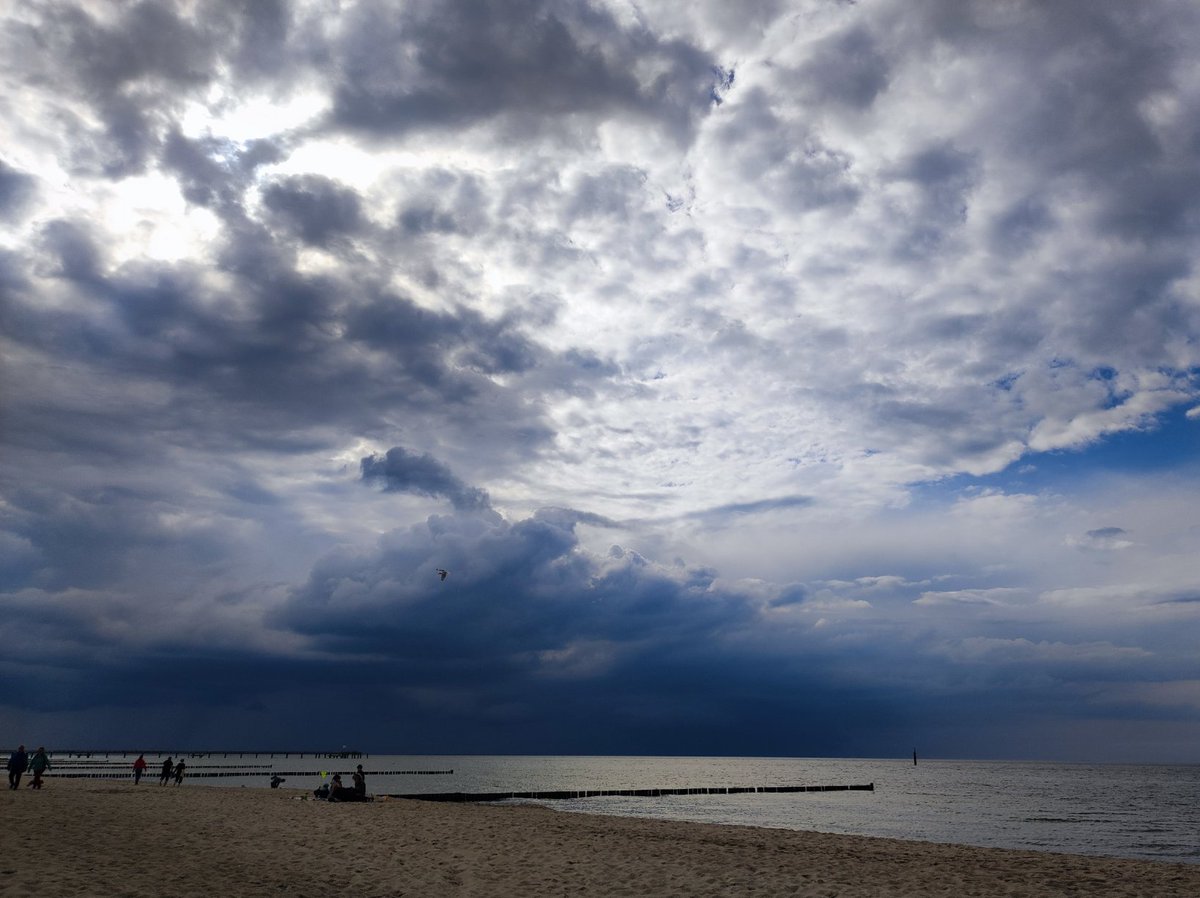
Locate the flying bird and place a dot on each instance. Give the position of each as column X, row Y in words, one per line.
column 443, row 574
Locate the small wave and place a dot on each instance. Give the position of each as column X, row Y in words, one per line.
column 1051, row 820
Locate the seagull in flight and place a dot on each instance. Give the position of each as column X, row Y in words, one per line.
column 442, row 573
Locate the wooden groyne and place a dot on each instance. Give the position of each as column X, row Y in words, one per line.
column 158, row 753
column 201, row 773
column 639, row 793
column 108, row 767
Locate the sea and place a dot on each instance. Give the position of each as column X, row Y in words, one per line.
column 1147, row 812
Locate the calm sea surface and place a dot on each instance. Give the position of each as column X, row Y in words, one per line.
column 1150, row 812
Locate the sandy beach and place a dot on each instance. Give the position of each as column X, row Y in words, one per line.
column 88, row 838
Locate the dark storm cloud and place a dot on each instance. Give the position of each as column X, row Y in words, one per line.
column 528, row 623
column 428, row 338
column 319, row 210
column 533, row 643
column 262, row 359
column 279, row 352
column 553, row 664
column 516, row 589
column 131, row 71
column 403, row 471
column 180, row 425
column 135, row 65
column 460, row 63
column 71, row 248
column 99, row 537
column 215, row 173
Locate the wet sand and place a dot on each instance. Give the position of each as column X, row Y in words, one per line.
column 88, row 838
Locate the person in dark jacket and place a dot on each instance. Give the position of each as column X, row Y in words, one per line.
column 338, row 792
column 39, row 765
column 18, row 763
column 168, row 768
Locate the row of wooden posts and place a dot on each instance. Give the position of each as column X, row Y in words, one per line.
column 640, row 793
column 133, row 753
column 200, row 773
column 219, row 770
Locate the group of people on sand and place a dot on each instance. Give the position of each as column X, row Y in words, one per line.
column 335, row 791
column 169, row 770
column 19, row 762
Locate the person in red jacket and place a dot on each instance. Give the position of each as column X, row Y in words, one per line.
column 139, row 767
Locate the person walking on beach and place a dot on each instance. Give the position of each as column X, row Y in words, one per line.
column 179, row 768
column 39, row 765
column 18, row 763
column 139, row 767
column 360, row 783
column 165, row 776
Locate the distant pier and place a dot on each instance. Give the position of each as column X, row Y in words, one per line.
column 558, row 795
column 158, row 753
column 201, row 772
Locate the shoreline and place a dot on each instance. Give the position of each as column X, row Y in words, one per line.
column 81, row 838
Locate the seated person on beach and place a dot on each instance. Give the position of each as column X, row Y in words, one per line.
column 338, row 792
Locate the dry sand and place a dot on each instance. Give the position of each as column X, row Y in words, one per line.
column 84, row 838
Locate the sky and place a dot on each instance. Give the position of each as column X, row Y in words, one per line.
column 783, row 377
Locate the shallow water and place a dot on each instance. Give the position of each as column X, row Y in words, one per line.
column 1136, row 811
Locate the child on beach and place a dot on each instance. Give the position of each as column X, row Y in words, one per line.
column 179, row 768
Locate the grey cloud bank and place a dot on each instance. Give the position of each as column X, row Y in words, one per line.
column 770, row 384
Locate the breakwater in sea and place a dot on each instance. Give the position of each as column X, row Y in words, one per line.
column 1139, row 811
